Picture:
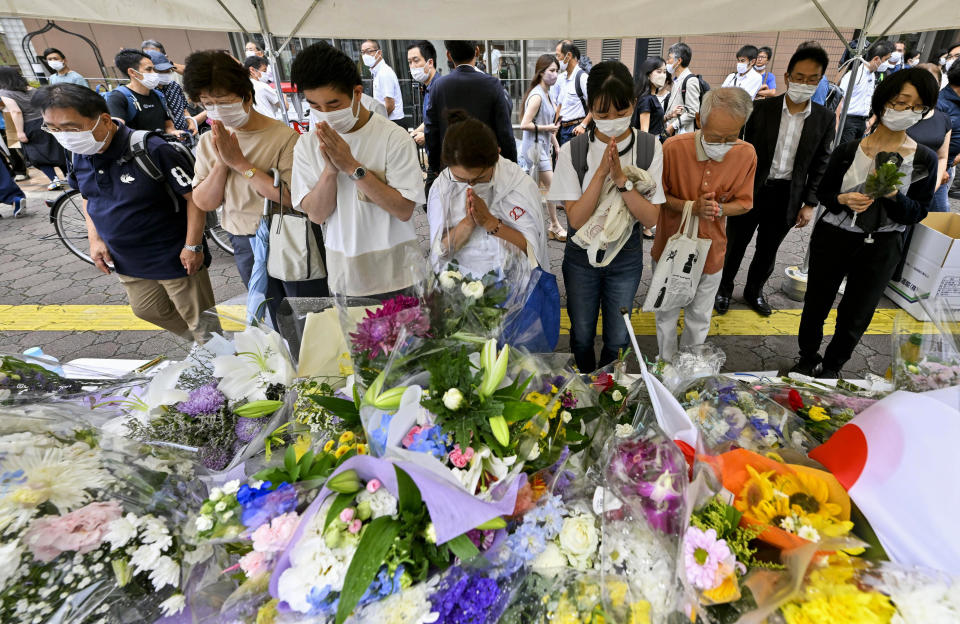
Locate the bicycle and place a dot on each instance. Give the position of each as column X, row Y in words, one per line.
column 66, row 215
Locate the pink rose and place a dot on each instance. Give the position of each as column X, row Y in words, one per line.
column 79, row 531
column 347, row 515
column 253, row 563
column 355, row 526
column 275, row 536
column 459, row 458
column 373, row 485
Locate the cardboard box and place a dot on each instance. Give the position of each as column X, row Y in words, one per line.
column 932, row 267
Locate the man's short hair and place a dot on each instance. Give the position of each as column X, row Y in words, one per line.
column 879, row 49
column 953, row 76
column 734, row 100
column 888, row 88
column 254, row 61
column 87, row 102
column 681, row 51
column 810, row 53
column 50, row 51
column 461, row 51
column 766, row 50
column 569, row 46
column 748, row 51
column 215, row 71
column 427, row 51
column 322, row 65
column 128, row 58
column 153, row 43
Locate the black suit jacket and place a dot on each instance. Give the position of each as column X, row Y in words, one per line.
column 482, row 96
column 813, row 150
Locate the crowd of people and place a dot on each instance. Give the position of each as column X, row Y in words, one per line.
column 626, row 157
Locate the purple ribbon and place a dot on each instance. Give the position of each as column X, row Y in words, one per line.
column 453, row 511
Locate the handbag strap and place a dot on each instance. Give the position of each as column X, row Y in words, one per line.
column 686, row 217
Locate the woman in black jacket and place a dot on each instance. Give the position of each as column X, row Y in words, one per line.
column 859, row 237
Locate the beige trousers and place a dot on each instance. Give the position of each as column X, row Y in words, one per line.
column 176, row 305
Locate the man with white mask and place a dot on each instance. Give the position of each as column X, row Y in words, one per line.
column 358, row 175
column 713, row 170
column 386, row 87
column 422, row 60
column 234, row 162
column 150, row 232
column 793, row 138
column 139, row 104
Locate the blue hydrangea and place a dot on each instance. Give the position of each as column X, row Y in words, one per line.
column 431, row 440
column 261, row 505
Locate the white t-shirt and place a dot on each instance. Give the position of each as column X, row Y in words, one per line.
column 266, row 101
column 369, row 251
column 386, row 85
column 566, row 188
column 749, row 82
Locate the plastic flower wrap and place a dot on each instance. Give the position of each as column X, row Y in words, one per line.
column 460, row 302
column 926, row 361
column 91, row 527
column 919, row 595
column 575, row 598
column 384, row 329
column 23, row 379
column 729, row 414
column 823, row 411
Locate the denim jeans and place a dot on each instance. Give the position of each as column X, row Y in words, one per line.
column 592, row 289
column 565, row 134
column 277, row 290
column 941, row 202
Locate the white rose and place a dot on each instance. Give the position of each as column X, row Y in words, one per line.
column 617, row 395
column 453, row 399
column 550, row 562
column 623, row 431
column 472, row 290
column 231, row 487
column 204, row 523
column 579, row 539
column 450, row 279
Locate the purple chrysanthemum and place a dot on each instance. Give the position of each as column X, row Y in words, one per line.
column 204, row 400
column 378, row 332
column 247, row 429
column 214, row 458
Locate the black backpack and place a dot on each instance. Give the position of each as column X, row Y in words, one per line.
column 580, row 145
column 137, row 152
column 704, row 87
column 576, row 86
column 833, row 98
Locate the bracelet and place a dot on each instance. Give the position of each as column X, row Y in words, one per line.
column 494, row 231
column 720, row 214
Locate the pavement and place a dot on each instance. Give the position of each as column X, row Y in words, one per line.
column 39, row 276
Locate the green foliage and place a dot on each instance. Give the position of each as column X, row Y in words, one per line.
column 311, row 466
column 377, row 540
column 883, row 181
column 725, row 520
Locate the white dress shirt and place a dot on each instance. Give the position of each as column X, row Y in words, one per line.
column 862, row 91
column 749, row 82
column 386, row 85
column 791, row 126
column 571, row 107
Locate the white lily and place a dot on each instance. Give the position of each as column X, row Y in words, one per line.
column 260, row 360
column 161, row 391
column 484, row 461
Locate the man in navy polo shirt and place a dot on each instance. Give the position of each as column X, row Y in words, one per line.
column 153, row 238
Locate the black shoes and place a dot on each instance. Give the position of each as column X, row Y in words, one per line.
column 759, row 305
column 721, row 304
column 806, row 367
column 829, row 373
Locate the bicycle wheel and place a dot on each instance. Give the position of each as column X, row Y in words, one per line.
column 71, row 225
column 220, row 236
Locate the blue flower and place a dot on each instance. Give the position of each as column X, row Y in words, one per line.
column 261, row 505
column 321, row 602
column 10, row 479
column 550, row 515
column 465, row 599
column 430, row 440
column 383, row 585
column 378, row 437
column 204, row 400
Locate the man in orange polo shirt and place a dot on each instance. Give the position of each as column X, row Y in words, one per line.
column 713, row 169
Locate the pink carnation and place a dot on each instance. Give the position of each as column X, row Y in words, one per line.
column 275, row 536
column 373, row 485
column 459, row 458
column 79, row 531
column 253, row 563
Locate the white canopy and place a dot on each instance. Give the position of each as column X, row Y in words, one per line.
column 495, row 19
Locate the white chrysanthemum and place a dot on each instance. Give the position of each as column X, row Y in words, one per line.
column 165, row 572
column 260, row 360
column 122, row 530
column 145, row 557
column 382, row 502
column 60, row 476
column 10, row 553
column 174, row 604
column 16, row 442
column 156, row 533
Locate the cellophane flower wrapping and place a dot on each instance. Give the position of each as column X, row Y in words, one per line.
column 823, row 409
column 927, row 356
column 690, row 363
column 730, row 414
column 91, row 523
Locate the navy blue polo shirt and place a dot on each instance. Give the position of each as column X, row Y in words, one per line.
column 133, row 213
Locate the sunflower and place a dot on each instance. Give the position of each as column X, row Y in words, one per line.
column 808, row 495
column 758, row 488
column 771, row 511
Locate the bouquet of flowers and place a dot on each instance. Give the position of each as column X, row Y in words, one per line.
column 926, row 361
column 91, row 529
column 217, row 402
column 730, row 414
column 23, row 381
column 576, row 598
column 392, row 326
column 462, row 303
column 822, row 411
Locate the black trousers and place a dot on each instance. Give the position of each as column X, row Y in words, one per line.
column 853, row 128
column 768, row 219
column 834, row 254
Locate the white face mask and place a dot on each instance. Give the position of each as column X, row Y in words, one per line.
column 369, row 60
column 342, row 120
column 563, row 65
column 894, row 59
column 264, row 78
column 742, row 68
column 82, row 142
column 899, row 120
column 613, row 127
column 55, row 65
column 914, row 62
column 715, row 151
column 232, row 115
column 150, row 79
column 249, row 53
column 420, row 74
column 884, row 66
column 166, row 79
column 759, row 68
column 948, row 64
column 658, row 79
column 800, row 93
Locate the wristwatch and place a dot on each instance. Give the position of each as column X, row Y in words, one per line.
column 720, row 213
column 358, row 173
column 194, row 248
column 626, row 188
column 249, row 172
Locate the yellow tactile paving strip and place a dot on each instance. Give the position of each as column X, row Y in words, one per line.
column 121, row 318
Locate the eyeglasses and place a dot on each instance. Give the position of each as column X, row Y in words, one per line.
column 476, row 179
column 810, row 81
column 50, row 130
column 916, row 108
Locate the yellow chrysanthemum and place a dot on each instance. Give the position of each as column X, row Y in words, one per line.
column 329, row 446
column 818, row 414
column 639, row 613
column 301, row 446
column 341, row 451
column 832, row 596
column 346, row 437
column 727, row 591
column 758, row 488
column 538, row 399
column 362, row 449
column 617, row 591
column 808, row 494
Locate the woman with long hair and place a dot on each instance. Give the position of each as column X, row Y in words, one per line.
column 648, row 114
column 40, row 148
column 540, row 134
